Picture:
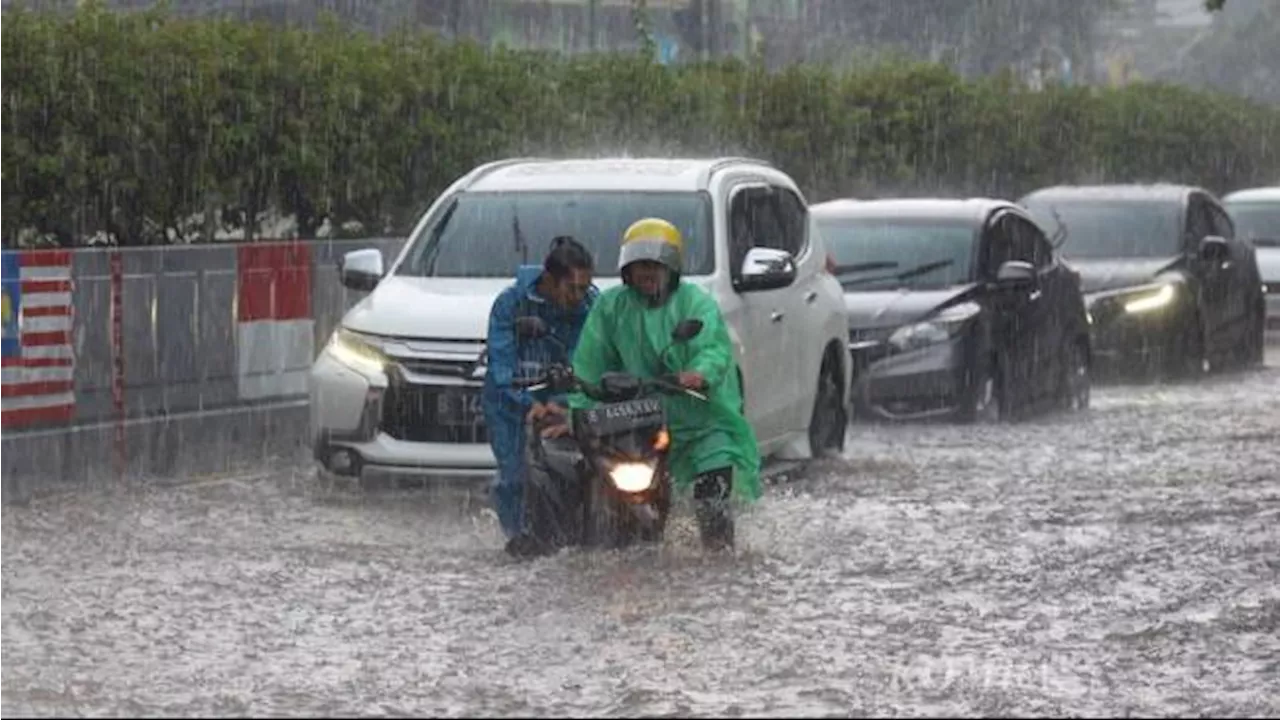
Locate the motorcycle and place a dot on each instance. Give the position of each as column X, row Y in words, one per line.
column 608, row 485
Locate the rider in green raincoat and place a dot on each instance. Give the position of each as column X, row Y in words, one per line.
column 713, row 447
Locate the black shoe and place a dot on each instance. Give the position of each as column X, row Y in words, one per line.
column 715, row 525
column 711, row 493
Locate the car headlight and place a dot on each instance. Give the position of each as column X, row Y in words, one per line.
column 937, row 330
column 356, row 353
column 1150, row 300
column 632, row 477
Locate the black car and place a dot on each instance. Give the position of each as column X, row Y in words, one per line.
column 1170, row 289
column 957, row 308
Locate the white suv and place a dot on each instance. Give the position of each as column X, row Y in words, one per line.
column 397, row 388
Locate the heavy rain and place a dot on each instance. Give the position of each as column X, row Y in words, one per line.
column 249, row 445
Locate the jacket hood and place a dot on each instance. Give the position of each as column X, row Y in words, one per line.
column 527, row 278
column 1099, row 274
column 886, row 308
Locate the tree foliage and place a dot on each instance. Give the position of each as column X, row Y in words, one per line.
column 134, row 123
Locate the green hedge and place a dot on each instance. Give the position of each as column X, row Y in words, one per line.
column 131, row 123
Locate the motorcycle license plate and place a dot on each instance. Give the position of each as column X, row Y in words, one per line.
column 459, row 408
column 624, row 414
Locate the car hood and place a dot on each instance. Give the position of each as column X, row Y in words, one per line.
column 435, row 307
column 1097, row 275
column 885, row 308
column 1269, row 264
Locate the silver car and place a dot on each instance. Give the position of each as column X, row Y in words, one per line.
column 397, row 388
column 1256, row 214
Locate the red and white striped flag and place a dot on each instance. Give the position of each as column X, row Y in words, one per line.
column 38, row 358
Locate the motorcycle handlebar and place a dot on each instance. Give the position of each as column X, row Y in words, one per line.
column 566, row 380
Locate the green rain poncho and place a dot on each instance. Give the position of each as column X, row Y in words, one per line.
column 622, row 333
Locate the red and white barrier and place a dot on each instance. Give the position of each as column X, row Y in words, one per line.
column 276, row 329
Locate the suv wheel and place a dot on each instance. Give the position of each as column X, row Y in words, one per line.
column 830, row 418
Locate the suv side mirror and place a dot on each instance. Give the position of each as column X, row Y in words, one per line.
column 1016, row 274
column 361, row 269
column 766, row 269
column 1214, row 248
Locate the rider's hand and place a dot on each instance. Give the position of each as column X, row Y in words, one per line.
column 537, row 411
column 555, row 431
column 691, row 380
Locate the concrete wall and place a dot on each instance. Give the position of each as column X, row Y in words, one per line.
column 186, row 355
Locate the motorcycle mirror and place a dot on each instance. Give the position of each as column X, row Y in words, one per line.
column 687, row 330
column 530, row 326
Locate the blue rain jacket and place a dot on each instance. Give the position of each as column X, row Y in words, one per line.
column 510, row 357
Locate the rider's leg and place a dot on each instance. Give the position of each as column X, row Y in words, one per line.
column 508, row 486
column 712, row 508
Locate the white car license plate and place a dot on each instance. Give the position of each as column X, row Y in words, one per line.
column 459, row 408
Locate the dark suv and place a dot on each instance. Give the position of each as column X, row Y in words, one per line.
column 1169, row 288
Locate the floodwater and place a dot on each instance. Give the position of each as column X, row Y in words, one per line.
column 1124, row 561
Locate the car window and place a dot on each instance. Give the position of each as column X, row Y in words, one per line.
column 999, row 246
column 1222, row 226
column 754, row 222
column 489, row 234
column 1199, row 224
column 1106, row 228
column 1256, row 220
column 874, row 251
column 793, row 215
column 1029, row 243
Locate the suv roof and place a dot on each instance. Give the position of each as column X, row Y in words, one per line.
column 1268, row 194
column 1158, row 192
column 973, row 210
column 638, row 174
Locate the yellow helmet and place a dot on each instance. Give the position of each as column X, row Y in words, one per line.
column 652, row 239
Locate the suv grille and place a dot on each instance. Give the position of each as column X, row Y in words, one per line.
column 413, row 413
column 427, row 410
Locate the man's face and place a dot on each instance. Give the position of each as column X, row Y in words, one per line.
column 649, row 277
column 569, row 291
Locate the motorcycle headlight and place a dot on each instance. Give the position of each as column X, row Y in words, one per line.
column 937, row 330
column 1150, row 300
column 356, row 353
column 632, row 477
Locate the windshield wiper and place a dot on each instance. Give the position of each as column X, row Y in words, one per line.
column 863, row 267
column 916, row 271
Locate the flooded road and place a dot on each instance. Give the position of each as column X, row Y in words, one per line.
column 1126, row 561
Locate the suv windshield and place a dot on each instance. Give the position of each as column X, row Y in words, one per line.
column 884, row 253
column 489, row 234
column 1256, row 220
column 1112, row 228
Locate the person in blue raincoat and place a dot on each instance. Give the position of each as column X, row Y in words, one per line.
column 560, row 291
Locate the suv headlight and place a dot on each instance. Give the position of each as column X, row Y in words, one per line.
column 1149, row 300
column 356, row 353
column 936, row 330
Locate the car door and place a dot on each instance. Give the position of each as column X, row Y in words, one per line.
column 1050, row 305
column 1241, row 280
column 754, row 222
column 1213, row 275
column 803, row 316
column 1015, row 316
